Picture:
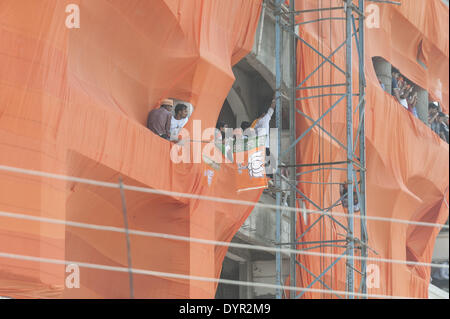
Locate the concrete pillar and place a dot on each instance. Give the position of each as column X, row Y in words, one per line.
column 245, row 274
column 422, row 105
column 383, row 71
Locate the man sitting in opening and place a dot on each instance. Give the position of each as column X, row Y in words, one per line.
column 395, row 84
column 245, row 125
column 343, row 190
column 178, row 121
column 224, row 141
column 412, row 102
column 442, row 119
column 220, row 134
column 247, row 130
column 405, row 90
column 433, row 113
column 158, row 120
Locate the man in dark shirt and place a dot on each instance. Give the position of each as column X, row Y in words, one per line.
column 395, row 87
column 343, row 190
column 433, row 113
column 158, row 120
column 443, row 126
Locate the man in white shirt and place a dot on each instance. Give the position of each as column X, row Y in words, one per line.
column 262, row 128
column 404, row 102
column 178, row 121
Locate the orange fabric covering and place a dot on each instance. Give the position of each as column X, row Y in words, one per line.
column 75, row 102
column 407, row 164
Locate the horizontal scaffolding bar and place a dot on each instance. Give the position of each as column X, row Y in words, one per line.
column 319, row 169
column 316, row 10
column 321, row 246
column 319, row 20
column 320, row 183
column 387, row 1
column 313, row 242
column 314, row 164
column 321, row 87
column 317, row 96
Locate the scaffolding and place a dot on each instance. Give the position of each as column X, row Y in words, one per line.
column 286, row 21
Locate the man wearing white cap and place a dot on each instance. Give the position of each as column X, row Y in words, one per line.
column 158, row 120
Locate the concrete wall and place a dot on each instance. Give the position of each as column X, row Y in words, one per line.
column 264, row 272
column 383, row 70
column 259, row 226
column 422, row 105
column 262, row 57
column 441, row 247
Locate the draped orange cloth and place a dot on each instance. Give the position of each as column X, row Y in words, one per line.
column 75, row 101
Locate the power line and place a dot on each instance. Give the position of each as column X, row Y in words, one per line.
column 209, row 198
column 190, row 277
column 208, row 241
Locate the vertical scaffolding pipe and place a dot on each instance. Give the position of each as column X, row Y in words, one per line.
column 349, row 118
column 362, row 147
column 261, row 27
column 292, row 133
column 277, row 177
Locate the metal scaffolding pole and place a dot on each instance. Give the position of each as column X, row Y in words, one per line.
column 278, row 40
column 362, row 146
column 350, row 276
column 353, row 165
column 292, row 137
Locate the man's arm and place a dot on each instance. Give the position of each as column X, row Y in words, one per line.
column 397, row 94
column 395, row 89
column 433, row 118
column 149, row 119
column 273, row 104
column 266, row 118
column 412, row 101
column 168, row 122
